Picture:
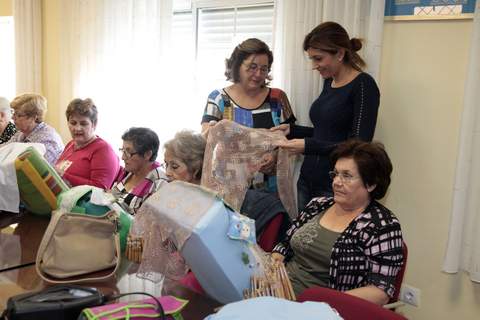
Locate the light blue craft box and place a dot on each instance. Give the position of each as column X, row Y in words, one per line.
column 270, row 308
column 215, row 259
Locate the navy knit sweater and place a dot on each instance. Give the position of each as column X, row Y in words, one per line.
column 337, row 115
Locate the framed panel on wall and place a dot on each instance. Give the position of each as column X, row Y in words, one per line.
column 429, row 9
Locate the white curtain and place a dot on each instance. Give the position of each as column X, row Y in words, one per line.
column 28, row 45
column 294, row 19
column 116, row 52
column 463, row 248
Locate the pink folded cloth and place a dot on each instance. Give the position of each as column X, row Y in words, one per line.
column 136, row 310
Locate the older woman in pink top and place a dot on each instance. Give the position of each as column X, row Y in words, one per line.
column 87, row 158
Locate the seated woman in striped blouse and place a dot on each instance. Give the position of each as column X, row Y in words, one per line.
column 348, row 242
column 142, row 175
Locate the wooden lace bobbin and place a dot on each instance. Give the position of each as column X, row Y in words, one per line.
column 134, row 249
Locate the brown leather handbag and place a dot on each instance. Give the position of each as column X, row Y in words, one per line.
column 79, row 248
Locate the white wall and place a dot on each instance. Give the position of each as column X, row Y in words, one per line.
column 422, row 82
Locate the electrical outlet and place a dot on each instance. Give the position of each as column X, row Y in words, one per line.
column 410, row 295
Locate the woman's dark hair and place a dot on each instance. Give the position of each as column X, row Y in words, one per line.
column 242, row 52
column 372, row 162
column 331, row 37
column 85, row 108
column 143, row 140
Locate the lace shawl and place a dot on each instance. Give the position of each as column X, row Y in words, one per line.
column 233, row 155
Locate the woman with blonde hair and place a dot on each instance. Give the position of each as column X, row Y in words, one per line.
column 29, row 111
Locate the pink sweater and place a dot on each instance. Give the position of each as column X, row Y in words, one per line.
column 95, row 165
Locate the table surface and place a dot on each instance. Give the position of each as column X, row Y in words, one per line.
column 20, row 235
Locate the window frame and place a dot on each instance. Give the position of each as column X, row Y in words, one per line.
column 197, row 5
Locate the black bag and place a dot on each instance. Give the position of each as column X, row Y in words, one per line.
column 62, row 302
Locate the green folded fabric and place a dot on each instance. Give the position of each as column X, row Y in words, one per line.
column 77, row 200
column 38, row 182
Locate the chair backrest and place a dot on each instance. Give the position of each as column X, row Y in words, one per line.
column 349, row 307
column 269, row 237
column 401, row 273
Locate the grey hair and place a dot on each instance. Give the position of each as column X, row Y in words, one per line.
column 189, row 147
column 5, row 108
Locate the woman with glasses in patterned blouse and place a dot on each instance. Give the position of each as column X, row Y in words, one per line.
column 249, row 101
column 142, row 175
column 348, row 242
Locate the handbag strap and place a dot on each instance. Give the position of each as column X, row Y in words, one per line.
column 160, row 310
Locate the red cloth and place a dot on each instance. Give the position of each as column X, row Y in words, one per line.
column 191, row 282
column 349, row 307
column 96, row 164
column 269, row 237
column 400, row 274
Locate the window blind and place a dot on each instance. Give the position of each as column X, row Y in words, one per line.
column 221, row 29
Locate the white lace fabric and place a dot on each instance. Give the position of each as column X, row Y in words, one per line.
column 234, row 153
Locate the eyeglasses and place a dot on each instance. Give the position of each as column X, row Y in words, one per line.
column 344, row 176
column 253, row 67
column 126, row 153
column 18, row 115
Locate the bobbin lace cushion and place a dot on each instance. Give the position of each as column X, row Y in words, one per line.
column 166, row 221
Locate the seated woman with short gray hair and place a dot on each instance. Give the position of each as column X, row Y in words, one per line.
column 184, row 157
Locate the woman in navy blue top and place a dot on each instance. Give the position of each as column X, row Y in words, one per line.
column 346, row 108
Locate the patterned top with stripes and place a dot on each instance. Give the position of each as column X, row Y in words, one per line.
column 368, row 252
column 133, row 199
column 272, row 112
